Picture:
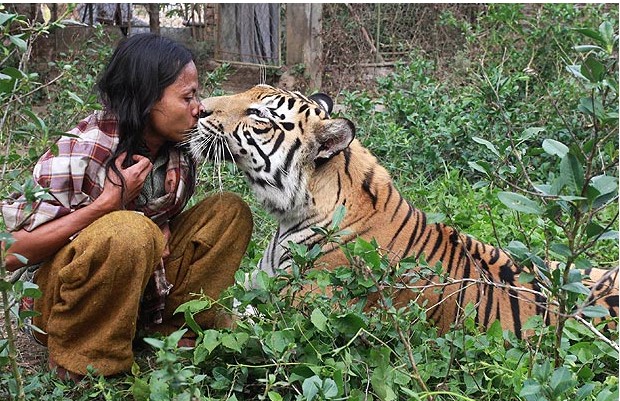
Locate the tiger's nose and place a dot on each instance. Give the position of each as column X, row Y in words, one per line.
column 204, row 113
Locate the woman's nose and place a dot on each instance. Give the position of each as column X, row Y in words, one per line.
column 199, row 109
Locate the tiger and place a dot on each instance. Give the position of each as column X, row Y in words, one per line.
column 301, row 165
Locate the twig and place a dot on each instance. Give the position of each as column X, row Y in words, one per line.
column 597, row 333
column 415, row 373
column 365, row 33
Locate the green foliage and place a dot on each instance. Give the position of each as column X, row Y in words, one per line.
column 322, row 345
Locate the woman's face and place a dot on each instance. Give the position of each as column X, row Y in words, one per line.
column 176, row 112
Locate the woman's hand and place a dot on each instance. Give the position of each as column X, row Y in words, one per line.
column 112, row 198
column 44, row 241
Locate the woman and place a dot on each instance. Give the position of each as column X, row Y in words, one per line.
column 115, row 251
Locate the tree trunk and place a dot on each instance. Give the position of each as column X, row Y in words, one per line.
column 154, row 17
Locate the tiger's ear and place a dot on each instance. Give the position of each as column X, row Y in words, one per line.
column 333, row 136
column 324, row 101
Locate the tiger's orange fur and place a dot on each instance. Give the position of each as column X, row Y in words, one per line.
column 302, row 165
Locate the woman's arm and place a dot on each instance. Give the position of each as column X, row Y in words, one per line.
column 44, row 241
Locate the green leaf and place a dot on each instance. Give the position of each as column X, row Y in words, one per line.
column 432, row 218
column 593, row 70
column 339, row 215
column 561, row 381
column 525, row 277
column 210, row 340
column 235, row 341
column 495, row 331
column 575, row 70
column 75, row 98
column 311, row 387
column 140, row 389
column 519, row 203
column 20, row 43
column 518, row 249
column 584, row 391
column 587, row 48
column 279, row 341
column 4, row 18
column 530, row 388
column 531, row 132
column 36, row 120
column 349, row 323
column 329, row 388
column 591, row 34
column 487, row 144
column 609, row 235
column 194, row 306
column 5, row 285
column 155, row 343
column 478, row 166
column 31, row 290
column 318, row 319
column 577, row 288
column 572, row 198
column 561, row 249
column 592, row 107
column 606, row 30
column 553, row 147
column 571, row 172
column 273, row 396
column 545, row 189
column 604, row 184
column 595, row 311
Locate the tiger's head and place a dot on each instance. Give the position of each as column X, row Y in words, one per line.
column 276, row 137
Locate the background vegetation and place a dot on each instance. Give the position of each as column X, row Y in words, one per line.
column 515, row 143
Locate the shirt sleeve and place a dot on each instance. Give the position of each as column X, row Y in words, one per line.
column 73, row 177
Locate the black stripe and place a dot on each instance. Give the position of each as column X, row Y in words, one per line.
column 275, row 245
column 276, row 145
column 261, row 131
column 438, row 242
column 280, row 102
column 400, row 202
column 400, row 229
column 389, row 196
column 347, row 162
column 489, row 305
column 506, row 274
column 413, row 237
column 339, row 187
column 252, row 142
column 366, row 187
column 291, row 153
column 428, row 237
column 516, row 312
column 495, row 254
column 452, row 250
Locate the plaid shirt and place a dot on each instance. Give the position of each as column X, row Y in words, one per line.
column 74, row 174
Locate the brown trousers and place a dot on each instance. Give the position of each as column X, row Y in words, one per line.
column 93, row 286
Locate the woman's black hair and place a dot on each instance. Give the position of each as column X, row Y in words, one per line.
column 140, row 69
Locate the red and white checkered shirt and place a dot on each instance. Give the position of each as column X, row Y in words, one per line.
column 73, row 171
